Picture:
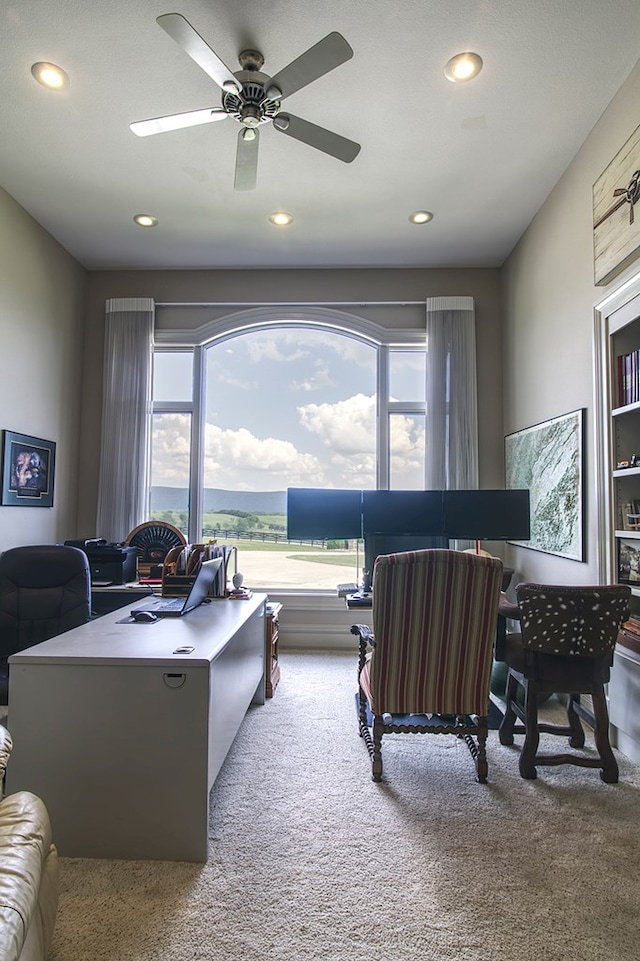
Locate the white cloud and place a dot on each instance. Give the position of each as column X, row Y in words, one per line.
column 171, row 448
column 261, row 348
column 347, row 426
column 237, row 459
column 318, row 381
column 289, row 345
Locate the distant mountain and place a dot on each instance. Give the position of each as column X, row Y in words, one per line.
column 255, row 502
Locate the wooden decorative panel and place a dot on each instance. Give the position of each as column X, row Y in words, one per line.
column 616, row 221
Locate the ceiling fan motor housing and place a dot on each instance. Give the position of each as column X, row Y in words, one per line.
column 252, row 106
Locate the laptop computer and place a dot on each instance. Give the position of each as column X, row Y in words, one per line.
column 177, row 606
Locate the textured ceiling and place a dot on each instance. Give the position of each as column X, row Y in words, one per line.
column 482, row 156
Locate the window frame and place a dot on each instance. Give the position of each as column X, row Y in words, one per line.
column 383, row 340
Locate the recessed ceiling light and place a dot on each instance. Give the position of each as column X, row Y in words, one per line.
column 464, row 66
column 146, row 220
column 51, row 76
column 281, row 219
column 421, row 217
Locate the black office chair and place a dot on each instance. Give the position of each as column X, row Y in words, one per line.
column 44, row 590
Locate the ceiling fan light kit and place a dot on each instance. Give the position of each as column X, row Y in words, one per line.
column 253, row 98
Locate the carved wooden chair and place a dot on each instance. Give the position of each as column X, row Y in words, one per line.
column 426, row 665
column 566, row 647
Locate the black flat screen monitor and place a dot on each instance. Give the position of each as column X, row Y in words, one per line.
column 402, row 512
column 487, row 515
column 323, row 514
column 377, row 544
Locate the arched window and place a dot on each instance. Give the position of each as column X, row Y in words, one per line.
column 265, row 406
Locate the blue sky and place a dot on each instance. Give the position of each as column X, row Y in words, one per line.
column 286, row 407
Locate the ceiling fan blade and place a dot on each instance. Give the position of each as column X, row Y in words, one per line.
column 192, row 43
column 177, row 121
column 318, row 137
column 246, row 160
column 318, row 60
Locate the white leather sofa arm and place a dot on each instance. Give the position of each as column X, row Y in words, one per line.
column 28, row 872
column 6, row 745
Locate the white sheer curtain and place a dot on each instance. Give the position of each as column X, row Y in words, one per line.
column 126, row 417
column 452, row 402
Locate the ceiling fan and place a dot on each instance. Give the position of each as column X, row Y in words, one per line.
column 253, row 98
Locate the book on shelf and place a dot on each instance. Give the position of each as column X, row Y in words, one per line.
column 628, row 377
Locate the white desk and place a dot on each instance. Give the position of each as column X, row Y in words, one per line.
column 123, row 738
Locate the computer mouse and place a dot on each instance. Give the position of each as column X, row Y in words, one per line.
column 143, row 617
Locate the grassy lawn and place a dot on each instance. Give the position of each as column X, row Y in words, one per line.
column 303, row 552
column 337, row 560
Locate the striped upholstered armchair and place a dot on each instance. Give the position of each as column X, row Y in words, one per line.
column 426, row 666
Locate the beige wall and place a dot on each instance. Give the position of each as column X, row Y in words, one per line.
column 41, row 333
column 310, row 286
column 549, row 295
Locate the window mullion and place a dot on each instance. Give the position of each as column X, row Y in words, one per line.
column 196, row 474
column 382, row 419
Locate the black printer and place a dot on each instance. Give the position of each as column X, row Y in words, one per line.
column 108, row 563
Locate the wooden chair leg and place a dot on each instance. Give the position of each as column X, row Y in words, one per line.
column 505, row 731
column 532, row 735
column 482, row 765
column 362, row 710
column 577, row 731
column 609, row 769
column 376, row 754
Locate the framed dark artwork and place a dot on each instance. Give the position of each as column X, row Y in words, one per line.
column 28, row 468
column 548, row 460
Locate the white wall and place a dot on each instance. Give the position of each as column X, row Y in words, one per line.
column 41, row 336
column 549, row 296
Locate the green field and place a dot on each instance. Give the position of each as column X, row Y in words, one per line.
column 336, row 560
column 258, row 524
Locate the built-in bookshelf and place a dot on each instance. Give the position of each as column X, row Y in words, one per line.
column 618, row 484
column 624, row 464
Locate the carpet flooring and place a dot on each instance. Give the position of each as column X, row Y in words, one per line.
column 310, row 859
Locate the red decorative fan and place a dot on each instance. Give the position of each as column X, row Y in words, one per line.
column 154, row 540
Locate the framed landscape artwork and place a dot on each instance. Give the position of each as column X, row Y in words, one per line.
column 28, row 467
column 547, row 459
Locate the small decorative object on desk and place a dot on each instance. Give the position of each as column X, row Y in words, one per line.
column 239, row 592
column 631, row 516
column 344, row 589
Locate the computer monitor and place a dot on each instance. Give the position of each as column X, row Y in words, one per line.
column 323, row 514
column 402, row 512
column 377, row 544
column 487, row 515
